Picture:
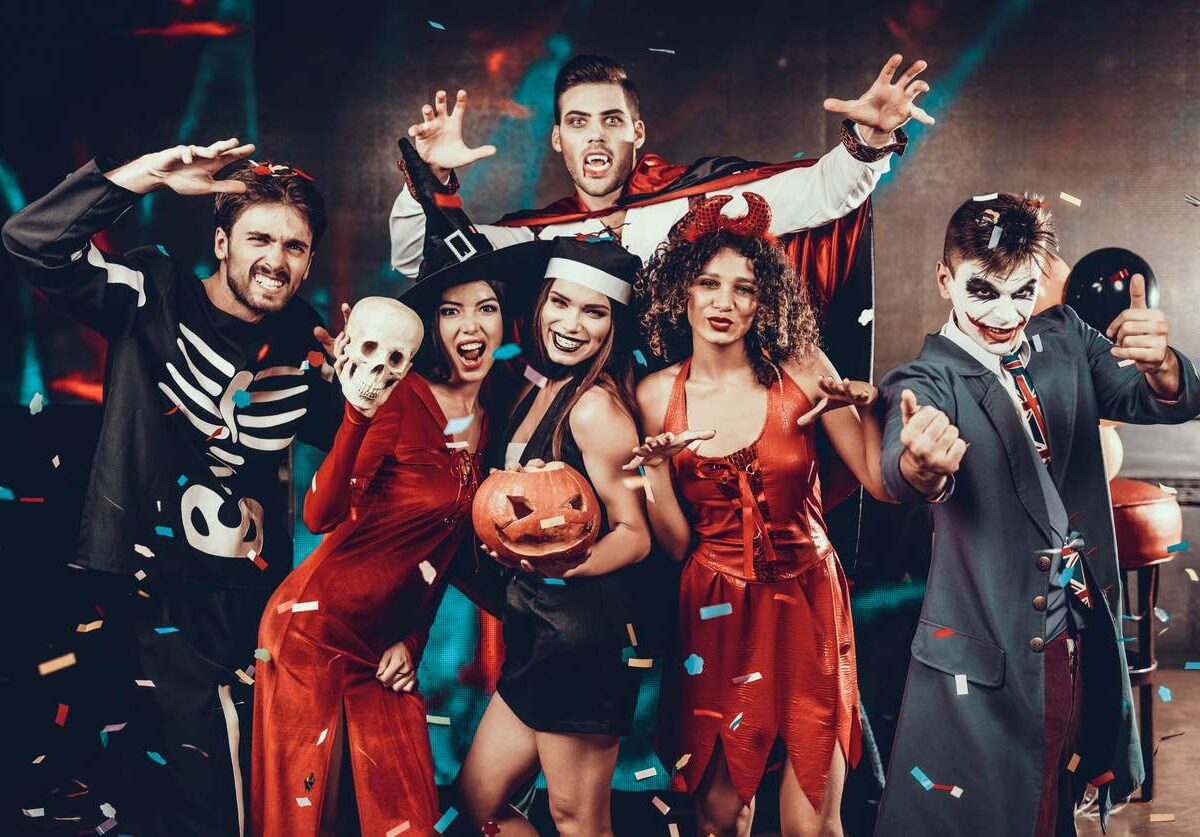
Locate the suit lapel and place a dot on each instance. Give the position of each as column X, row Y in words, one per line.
column 1021, row 458
column 1056, row 393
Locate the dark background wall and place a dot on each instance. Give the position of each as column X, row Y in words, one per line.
column 1096, row 99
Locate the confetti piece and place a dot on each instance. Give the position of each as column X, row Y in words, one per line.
column 165, row 531
column 108, row 810
column 400, row 829
column 555, row 582
column 672, row 829
column 457, row 425
column 683, row 760
column 649, row 488
column 866, row 317
column 797, row 155
column 55, row 461
column 437, row 720
column 34, row 812
column 39, row 759
column 941, row 633
column 145, row 684
column 144, row 551
column 648, row 773
column 663, row 51
column 1162, row 818
column 106, row 826
column 1065, row 576
column 639, row 662
column 304, row 607
column 784, row 597
column 60, row 717
column 694, row 664
column 639, row 357
column 447, row 818
column 35, row 404
column 707, row 713
column 244, row 677
column 1192, row 199
column 1178, row 547
column 1193, row 666
column 1164, row 694
column 256, row 559
column 551, row 522
column 506, row 352
column 57, row 664
column 632, row 635
column 166, row 630
column 435, row 25
column 1103, row 779
column 714, row 611
column 241, row 398
column 315, row 361
column 1037, row 342
column 663, row 808
column 1070, row 199
column 262, row 353
column 115, row 727
column 1167, row 489
column 7, row 493
column 140, row 575
column 990, row 197
column 194, row 747
column 219, row 433
column 286, row 606
column 960, row 683
column 1162, row 615
column 321, row 737
column 427, row 571
column 535, row 377
column 919, row 775
column 747, row 678
column 303, row 801
column 956, row 791
column 1126, row 362
column 1191, row 574
column 736, row 722
column 156, row 757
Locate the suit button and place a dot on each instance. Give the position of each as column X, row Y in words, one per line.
column 1037, row 644
column 1043, row 562
column 1039, row 602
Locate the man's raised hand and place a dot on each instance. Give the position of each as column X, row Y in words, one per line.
column 438, row 136
column 932, row 447
column 887, row 104
column 1140, row 333
column 184, row 169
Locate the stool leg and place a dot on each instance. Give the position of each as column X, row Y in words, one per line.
column 1146, row 731
column 1147, row 595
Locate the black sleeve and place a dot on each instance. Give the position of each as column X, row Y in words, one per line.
column 480, row 578
column 51, row 242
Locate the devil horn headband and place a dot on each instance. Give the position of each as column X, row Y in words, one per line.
column 707, row 218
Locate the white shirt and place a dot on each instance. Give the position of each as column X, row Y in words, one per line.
column 992, row 363
column 800, row 198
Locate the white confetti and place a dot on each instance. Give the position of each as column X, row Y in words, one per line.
column 457, row 425
column 960, row 683
column 321, row 737
column 55, row 461
column 303, row 607
column 144, row 551
column 145, row 684
column 535, row 377
column 439, row 720
column 1037, row 342
column 427, row 571
column 995, row 239
column 956, row 791
column 990, row 197
column 867, row 315
column 35, row 404
column 34, row 812
column 551, row 522
column 1070, row 199
column 303, row 801
column 646, row 774
column 108, row 810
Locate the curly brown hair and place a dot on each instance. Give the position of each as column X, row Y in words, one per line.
column 784, row 328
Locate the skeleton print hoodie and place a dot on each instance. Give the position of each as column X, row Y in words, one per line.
column 199, row 407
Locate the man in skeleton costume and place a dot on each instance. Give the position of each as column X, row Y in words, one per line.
column 207, row 384
column 1018, row 693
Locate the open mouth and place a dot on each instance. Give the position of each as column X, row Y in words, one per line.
column 720, row 323
column 566, row 344
column 596, row 163
column 997, row 335
column 268, row 283
column 471, row 353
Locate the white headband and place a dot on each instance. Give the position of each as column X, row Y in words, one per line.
column 589, row 277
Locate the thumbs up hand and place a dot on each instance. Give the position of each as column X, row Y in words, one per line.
column 932, row 447
column 1140, row 334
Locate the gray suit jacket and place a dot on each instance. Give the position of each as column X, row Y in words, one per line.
column 985, row 574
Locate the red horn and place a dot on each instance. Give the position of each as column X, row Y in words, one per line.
column 756, row 221
column 706, row 218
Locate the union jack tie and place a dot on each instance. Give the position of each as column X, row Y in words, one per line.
column 1029, row 405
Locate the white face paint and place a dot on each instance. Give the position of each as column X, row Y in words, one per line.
column 991, row 310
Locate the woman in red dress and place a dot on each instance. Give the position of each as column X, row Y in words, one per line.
column 338, row 720
column 764, row 610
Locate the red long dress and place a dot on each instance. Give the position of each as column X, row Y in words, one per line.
column 398, row 500
column 769, row 618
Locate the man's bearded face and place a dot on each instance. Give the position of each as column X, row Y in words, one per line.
column 991, row 310
column 267, row 255
column 597, row 137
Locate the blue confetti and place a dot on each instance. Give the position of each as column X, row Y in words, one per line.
column 797, row 155
column 919, row 775
column 1164, row 694
column 713, row 611
column 103, row 739
column 694, row 664
column 639, row 357
column 441, row 825
column 156, row 757
column 737, row 721
column 166, row 630
column 1191, row 666
column 182, row 480
column 163, row 250
column 1125, row 639
column 7, row 493
column 241, row 398
column 1065, row 576
column 1162, row 615
column 165, row 531
column 441, row 28
column 555, row 582
column 506, row 352
column 1178, row 547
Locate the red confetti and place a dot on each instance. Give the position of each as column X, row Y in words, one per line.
column 194, row 28
column 1103, row 779
column 258, row 561
column 944, row 787
column 708, row 713
column 33, row 499
column 172, row 411
column 219, row 433
column 61, row 718
column 447, row 201
column 943, row 632
column 316, row 359
column 263, row 351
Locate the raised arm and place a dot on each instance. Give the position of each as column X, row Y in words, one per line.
column 921, row 446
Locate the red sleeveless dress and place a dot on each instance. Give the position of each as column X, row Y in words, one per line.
column 769, row 617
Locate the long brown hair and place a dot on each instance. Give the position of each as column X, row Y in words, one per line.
column 610, row 368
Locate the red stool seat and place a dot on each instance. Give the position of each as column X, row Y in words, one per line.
column 1147, row 521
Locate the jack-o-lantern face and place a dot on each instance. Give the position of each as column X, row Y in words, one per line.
column 537, row 514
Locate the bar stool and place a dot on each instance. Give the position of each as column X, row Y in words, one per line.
column 1147, row 521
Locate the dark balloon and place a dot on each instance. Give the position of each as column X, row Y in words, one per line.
column 1098, row 286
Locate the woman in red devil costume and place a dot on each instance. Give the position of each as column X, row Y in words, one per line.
column 763, row 607
column 338, row 717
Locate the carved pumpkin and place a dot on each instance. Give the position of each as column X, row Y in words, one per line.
column 537, row 514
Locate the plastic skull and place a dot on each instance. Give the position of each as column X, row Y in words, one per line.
column 382, row 335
